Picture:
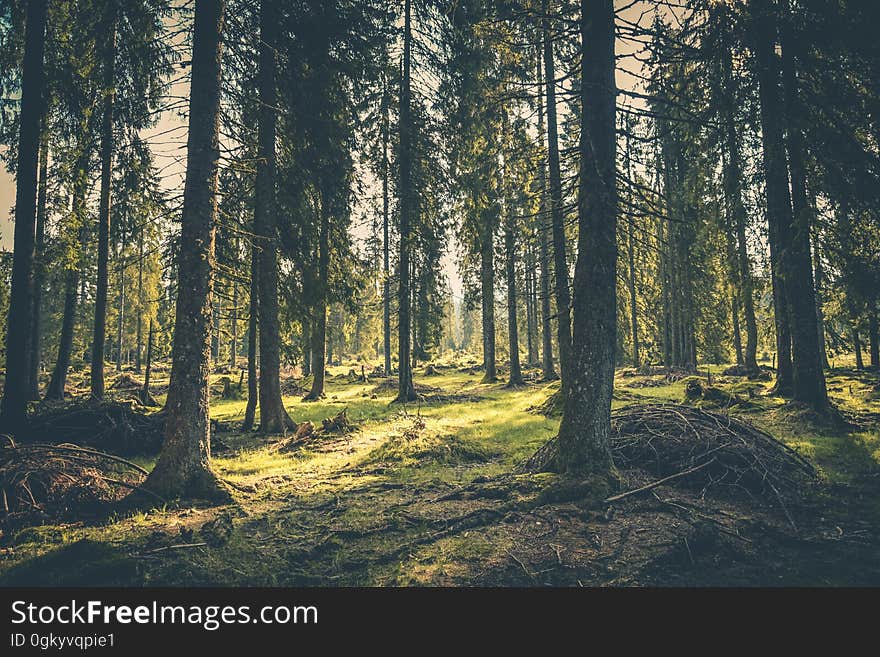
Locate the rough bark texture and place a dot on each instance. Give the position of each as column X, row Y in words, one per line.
column 139, row 339
column 586, row 418
column 184, row 465
column 776, row 176
column 15, row 391
column 273, row 416
column 406, row 391
column 108, row 62
column 808, row 375
column 563, row 295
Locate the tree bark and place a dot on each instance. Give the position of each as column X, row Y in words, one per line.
column 386, row 246
column 35, row 353
column 515, row 377
column 406, row 390
column 273, row 416
column 547, row 369
column 250, row 410
column 62, row 363
column 184, row 465
column 487, row 290
column 873, row 339
column 584, row 432
column 13, row 412
column 99, row 334
column 563, row 295
column 808, row 375
column 319, row 316
column 857, row 346
column 777, row 190
column 140, row 303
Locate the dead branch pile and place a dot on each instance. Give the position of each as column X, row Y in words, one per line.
column 53, row 481
column 705, row 451
column 119, row 427
column 126, row 381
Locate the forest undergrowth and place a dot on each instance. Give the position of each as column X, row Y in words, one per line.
column 719, row 483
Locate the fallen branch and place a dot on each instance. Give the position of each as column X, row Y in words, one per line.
column 655, row 484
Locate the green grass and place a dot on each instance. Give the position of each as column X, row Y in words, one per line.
column 290, row 527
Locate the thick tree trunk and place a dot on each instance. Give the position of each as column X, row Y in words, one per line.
column 184, row 465
column 584, row 432
column 99, row 334
column 777, row 191
column 808, row 375
column 273, row 416
column 547, row 369
column 406, row 391
column 631, row 265
column 36, row 355
column 563, row 295
column 13, row 413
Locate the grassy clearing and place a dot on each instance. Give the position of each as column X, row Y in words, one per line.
column 379, row 506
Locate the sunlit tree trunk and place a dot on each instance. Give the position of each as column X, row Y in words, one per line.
column 584, row 432
column 183, row 468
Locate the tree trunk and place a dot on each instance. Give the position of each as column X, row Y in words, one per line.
column 873, row 339
column 631, row 265
column 547, row 369
column 406, row 391
column 857, row 346
column 250, row 410
column 273, row 416
column 13, row 413
column 184, row 465
column 819, row 277
column 386, row 246
column 108, row 63
column 39, row 274
column 563, row 295
column 59, row 375
column 233, row 340
column 808, row 375
column 319, row 323
column 515, row 377
column 120, row 317
column 777, row 191
column 487, row 289
column 531, row 314
column 149, row 368
column 584, row 432
column 307, row 344
column 140, row 303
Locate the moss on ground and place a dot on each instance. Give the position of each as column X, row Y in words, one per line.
column 423, row 495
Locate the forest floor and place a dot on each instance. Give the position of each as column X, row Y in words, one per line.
column 428, row 494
